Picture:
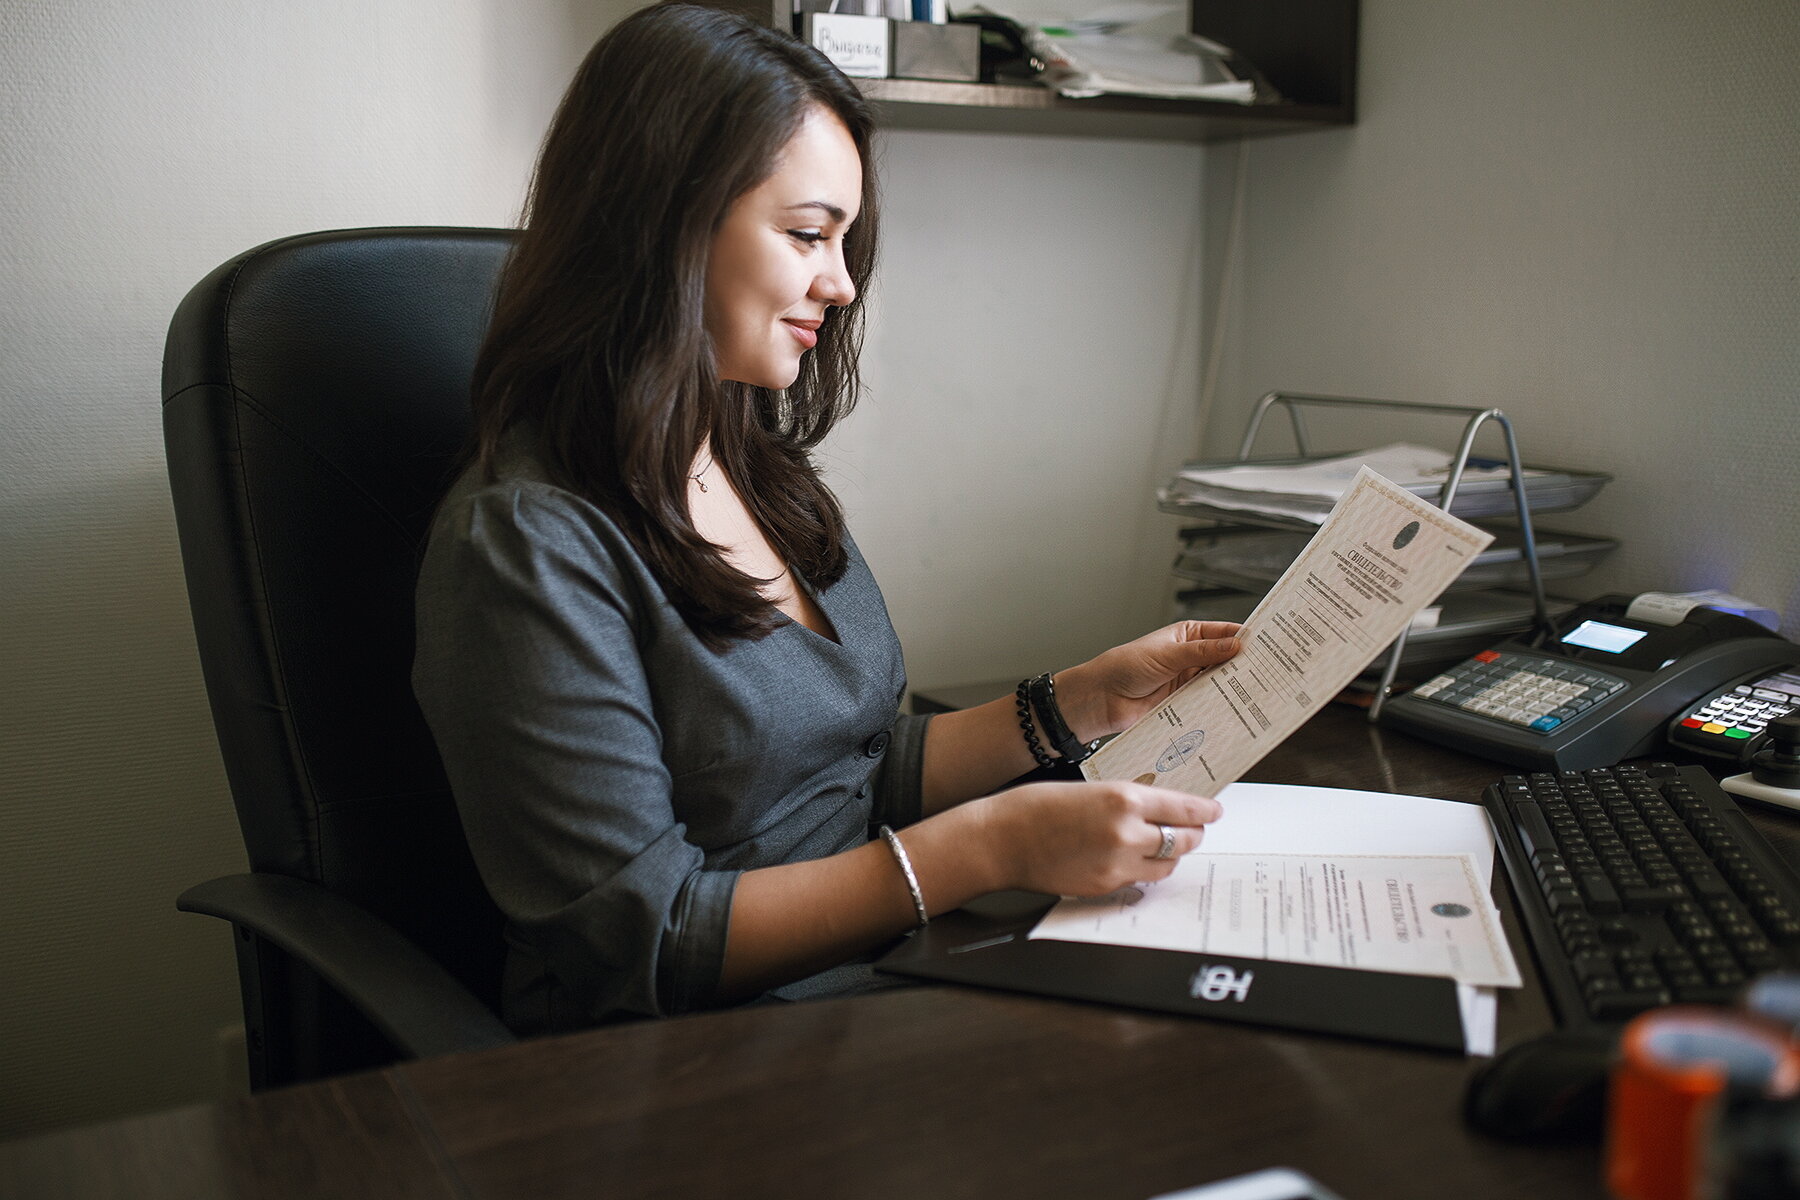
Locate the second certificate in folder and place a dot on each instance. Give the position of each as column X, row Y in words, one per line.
column 1381, row 556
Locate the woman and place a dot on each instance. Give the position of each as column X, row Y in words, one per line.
column 662, row 679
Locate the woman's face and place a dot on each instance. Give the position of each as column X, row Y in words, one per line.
column 778, row 259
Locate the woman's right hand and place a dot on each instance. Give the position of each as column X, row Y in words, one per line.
column 1068, row 839
column 1086, row 839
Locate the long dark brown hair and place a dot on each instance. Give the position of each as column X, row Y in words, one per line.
column 597, row 337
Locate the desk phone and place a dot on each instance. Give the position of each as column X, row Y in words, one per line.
column 1609, row 688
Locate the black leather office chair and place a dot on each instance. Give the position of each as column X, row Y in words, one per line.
column 315, row 397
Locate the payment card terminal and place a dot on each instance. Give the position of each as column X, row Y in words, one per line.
column 1607, row 687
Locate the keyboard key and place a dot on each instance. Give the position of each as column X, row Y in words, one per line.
column 1647, row 897
column 1785, row 931
column 1759, row 961
column 1622, row 1004
column 1616, row 932
column 1713, row 961
column 1563, row 899
column 1577, row 923
column 1598, row 890
column 1593, row 964
column 1534, row 831
column 1708, row 994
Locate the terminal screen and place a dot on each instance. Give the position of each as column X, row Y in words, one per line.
column 1597, row 635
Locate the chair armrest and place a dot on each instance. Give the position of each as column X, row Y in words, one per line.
column 408, row 996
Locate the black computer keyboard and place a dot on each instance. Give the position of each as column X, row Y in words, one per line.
column 1641, row 886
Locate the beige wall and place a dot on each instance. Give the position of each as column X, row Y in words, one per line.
column 1032, row 368
column 140, row 146
column 1587, row 214
column 1033, row 351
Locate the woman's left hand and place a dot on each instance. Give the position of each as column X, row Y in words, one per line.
column 1110, row 692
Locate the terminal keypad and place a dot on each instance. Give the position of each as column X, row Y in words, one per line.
column 1527, row 690
column 1741, row 713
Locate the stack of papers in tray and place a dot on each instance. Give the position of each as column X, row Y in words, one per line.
column 1254, row 561
column 1305, row 492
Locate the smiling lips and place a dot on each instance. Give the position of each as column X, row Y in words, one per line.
column 805, row 332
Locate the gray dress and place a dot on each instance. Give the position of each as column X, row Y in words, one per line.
column 614, row 774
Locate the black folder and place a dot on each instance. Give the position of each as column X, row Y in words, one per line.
column 985, row 944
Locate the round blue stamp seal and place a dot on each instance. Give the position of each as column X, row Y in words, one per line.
column 1181, row 749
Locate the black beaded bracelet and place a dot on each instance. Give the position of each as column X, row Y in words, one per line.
column 1038, row 753
column 1042, row 693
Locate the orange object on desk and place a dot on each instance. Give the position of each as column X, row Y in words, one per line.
column 1675, row 1068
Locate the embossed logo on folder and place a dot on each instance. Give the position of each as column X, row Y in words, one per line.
column 1219, row 982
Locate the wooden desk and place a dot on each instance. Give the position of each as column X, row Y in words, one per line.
column 916, row 1092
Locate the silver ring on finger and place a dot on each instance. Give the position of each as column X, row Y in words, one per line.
column 1167, row 849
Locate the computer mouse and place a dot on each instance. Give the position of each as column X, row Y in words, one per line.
column 1553, row 1086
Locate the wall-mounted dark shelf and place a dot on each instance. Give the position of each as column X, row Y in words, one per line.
column 1015, row 108
column 1305, row 48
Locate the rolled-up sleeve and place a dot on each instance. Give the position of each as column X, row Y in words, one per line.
column 529, row 671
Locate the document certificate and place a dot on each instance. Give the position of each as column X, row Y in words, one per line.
column 1381, row 556
column 1415, row 914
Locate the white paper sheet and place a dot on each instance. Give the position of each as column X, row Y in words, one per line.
column 1480, row 1010
column 1672, row 608
column 1402, row 463
column 1280, row 818
column 1306, row 491
column 1418, row 914
column 1284, row 818
column 1381, row 556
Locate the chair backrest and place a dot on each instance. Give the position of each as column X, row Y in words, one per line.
column 315, row 401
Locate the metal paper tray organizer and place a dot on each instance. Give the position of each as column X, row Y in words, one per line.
column 1546, row 490
column 1253, row 562
column 1236, row 551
